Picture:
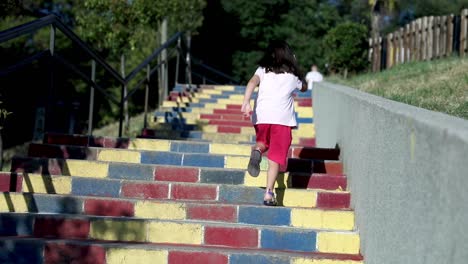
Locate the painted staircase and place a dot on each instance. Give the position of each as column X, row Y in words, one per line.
column 179, row 193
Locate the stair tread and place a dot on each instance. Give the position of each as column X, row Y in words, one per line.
column 287, row 254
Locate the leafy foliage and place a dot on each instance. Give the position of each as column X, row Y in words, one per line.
column 347, row 47
column 301, row 23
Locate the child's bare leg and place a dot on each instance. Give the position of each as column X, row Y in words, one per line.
column 272, row 174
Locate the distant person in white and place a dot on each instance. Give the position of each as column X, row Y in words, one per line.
column 313, row 76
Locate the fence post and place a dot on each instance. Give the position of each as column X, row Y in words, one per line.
column 188, row 70
column 430, row 38
column 424, row 38
column 401, row 45
column 389, row 56
column 148, row 75
column 407, row 43
column 91, row 99
column 443, row 36
column 179, row 49
column 450, row 35
column 463, row 32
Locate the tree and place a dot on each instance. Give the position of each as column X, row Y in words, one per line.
column 301, row 23
column 347, row 48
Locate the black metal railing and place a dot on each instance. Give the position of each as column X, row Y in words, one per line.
column 55, row 23
column 180, row 42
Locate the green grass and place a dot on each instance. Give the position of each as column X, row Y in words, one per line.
column 439, row 85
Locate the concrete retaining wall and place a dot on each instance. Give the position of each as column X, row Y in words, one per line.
column 408, row 175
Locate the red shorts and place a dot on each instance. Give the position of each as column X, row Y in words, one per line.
column 277, row 140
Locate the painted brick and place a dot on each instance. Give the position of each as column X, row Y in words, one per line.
column 203, row 160
column 34, row 165
column 257, row 259
column 57, row 204
column 234, row 106
column 338, row 242
column 10, row 181
column 61, row 228
column 309, row 142
column 135, row 255
column 230, row 123
column 131, row 172
column 160, row 210
column 225, row 213
column 176, row 174
column 16, row 225
column 108, row 207
column 46, row 184
column 118, row 230
column 222, row 176
column 304, row 120
column 61, row 139
column 229, row 129
column 172, row 232
column 63, row 152
column 233, row 237
column 95, row 187
column 333, row 200
column 166, row 158
column 179, row 257
column 289, row 240
column 318, row 181
column 114, row 155
column 17, row 202
column 327, row 182
column 304, row 102
column 225, row 111
column 335, row 168
column 189, row 192
column 265, row 216
column 188, row 147
column 68, row 253
column 235, row 194
column 145, row 190
column 210, row 116
column 21, row 251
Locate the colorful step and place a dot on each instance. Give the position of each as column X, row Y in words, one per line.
column 42, row 250
column 312, row 218
column 179, row 232
column 144, row 188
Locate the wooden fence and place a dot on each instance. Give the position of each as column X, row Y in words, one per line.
column 425, row 38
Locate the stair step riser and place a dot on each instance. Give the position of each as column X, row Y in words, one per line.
column 184, row 155
column 163, row 210
column 68, row 251
column 190, row 233
column 302, row 177
column 223, row 193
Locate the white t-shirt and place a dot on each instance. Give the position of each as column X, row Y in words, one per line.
column 312, row 77
column 275, row 103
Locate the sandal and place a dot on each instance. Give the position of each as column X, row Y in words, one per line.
column 254, row 163
column 272, row 201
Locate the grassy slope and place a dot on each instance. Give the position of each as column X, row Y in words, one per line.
column 440, row 85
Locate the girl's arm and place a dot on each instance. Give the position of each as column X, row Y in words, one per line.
column 253, row 82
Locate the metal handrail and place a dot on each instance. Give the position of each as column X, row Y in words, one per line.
column 55, row 22
column 222, row 74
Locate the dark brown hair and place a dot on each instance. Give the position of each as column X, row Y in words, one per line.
column 279, row 58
